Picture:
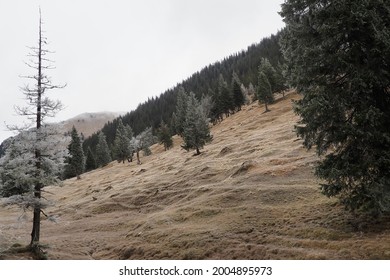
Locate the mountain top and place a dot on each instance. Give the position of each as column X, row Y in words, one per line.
column 251, row 194
column 89, row 123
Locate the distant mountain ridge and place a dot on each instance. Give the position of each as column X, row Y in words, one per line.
column 85, row 123
column 89, row 123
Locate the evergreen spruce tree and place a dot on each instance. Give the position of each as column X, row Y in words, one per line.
column 196, row 131
column 238, row 96
column 225, row 97
column 338, row 57
column 270, row 72
column 122, row 143
column 181, row 109
column 103, row 154
column 216, row 110
column 264, row 91
column 75, row 161
column 164, row 136
column 90, row 162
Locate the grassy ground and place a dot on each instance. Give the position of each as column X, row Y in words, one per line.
column 251, row 194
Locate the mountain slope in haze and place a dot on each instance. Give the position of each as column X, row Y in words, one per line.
column 251, row 194
column 86, row 124
column 89, row 123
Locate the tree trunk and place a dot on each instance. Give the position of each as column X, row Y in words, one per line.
column 266, row 107
column 138, row 160
column 35, row 234
column 197, row 151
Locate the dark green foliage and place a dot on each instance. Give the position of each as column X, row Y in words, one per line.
column 264, row 90
column 238, row 96
column 90, row 162
column 181, row 111
column 103, row 155
column 75, row 161
column 122, row 143
column 196, row 131
column 338, row 57
column 164, row 136
column 223, row 100
column 269, row 71
column 172, row 125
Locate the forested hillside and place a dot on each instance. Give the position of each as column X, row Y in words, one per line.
column 204, row 82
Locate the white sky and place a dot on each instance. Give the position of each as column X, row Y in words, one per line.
column 114, row 54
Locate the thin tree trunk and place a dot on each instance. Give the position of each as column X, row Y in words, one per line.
column 35, row 234
column 266, row 107
column 138, row 160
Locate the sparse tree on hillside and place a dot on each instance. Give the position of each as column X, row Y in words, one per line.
column 122, row 143
column 75, row 161
column 270, row 72
column 164, row 136
column 196, row 130
column 103, row 156
column 338, row 58
column 142, row 142
column 37, row 154
column 146, row 139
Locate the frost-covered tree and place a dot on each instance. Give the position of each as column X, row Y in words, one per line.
column 196, row 131
column 34, row 158
column 252, row 92
column 75, row 161
column 142, row 142
column 103, row 156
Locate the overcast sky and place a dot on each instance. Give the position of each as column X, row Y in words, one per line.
column 114, row 54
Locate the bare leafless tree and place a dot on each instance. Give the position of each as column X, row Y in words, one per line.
column 38, row 107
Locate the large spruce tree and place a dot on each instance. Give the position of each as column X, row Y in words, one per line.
column 338, row 55
column 196, row 130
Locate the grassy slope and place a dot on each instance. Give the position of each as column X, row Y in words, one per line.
column 251, row 194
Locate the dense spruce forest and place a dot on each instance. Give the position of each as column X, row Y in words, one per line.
column 151, row 113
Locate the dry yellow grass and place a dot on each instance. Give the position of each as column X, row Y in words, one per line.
column 251, row 194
